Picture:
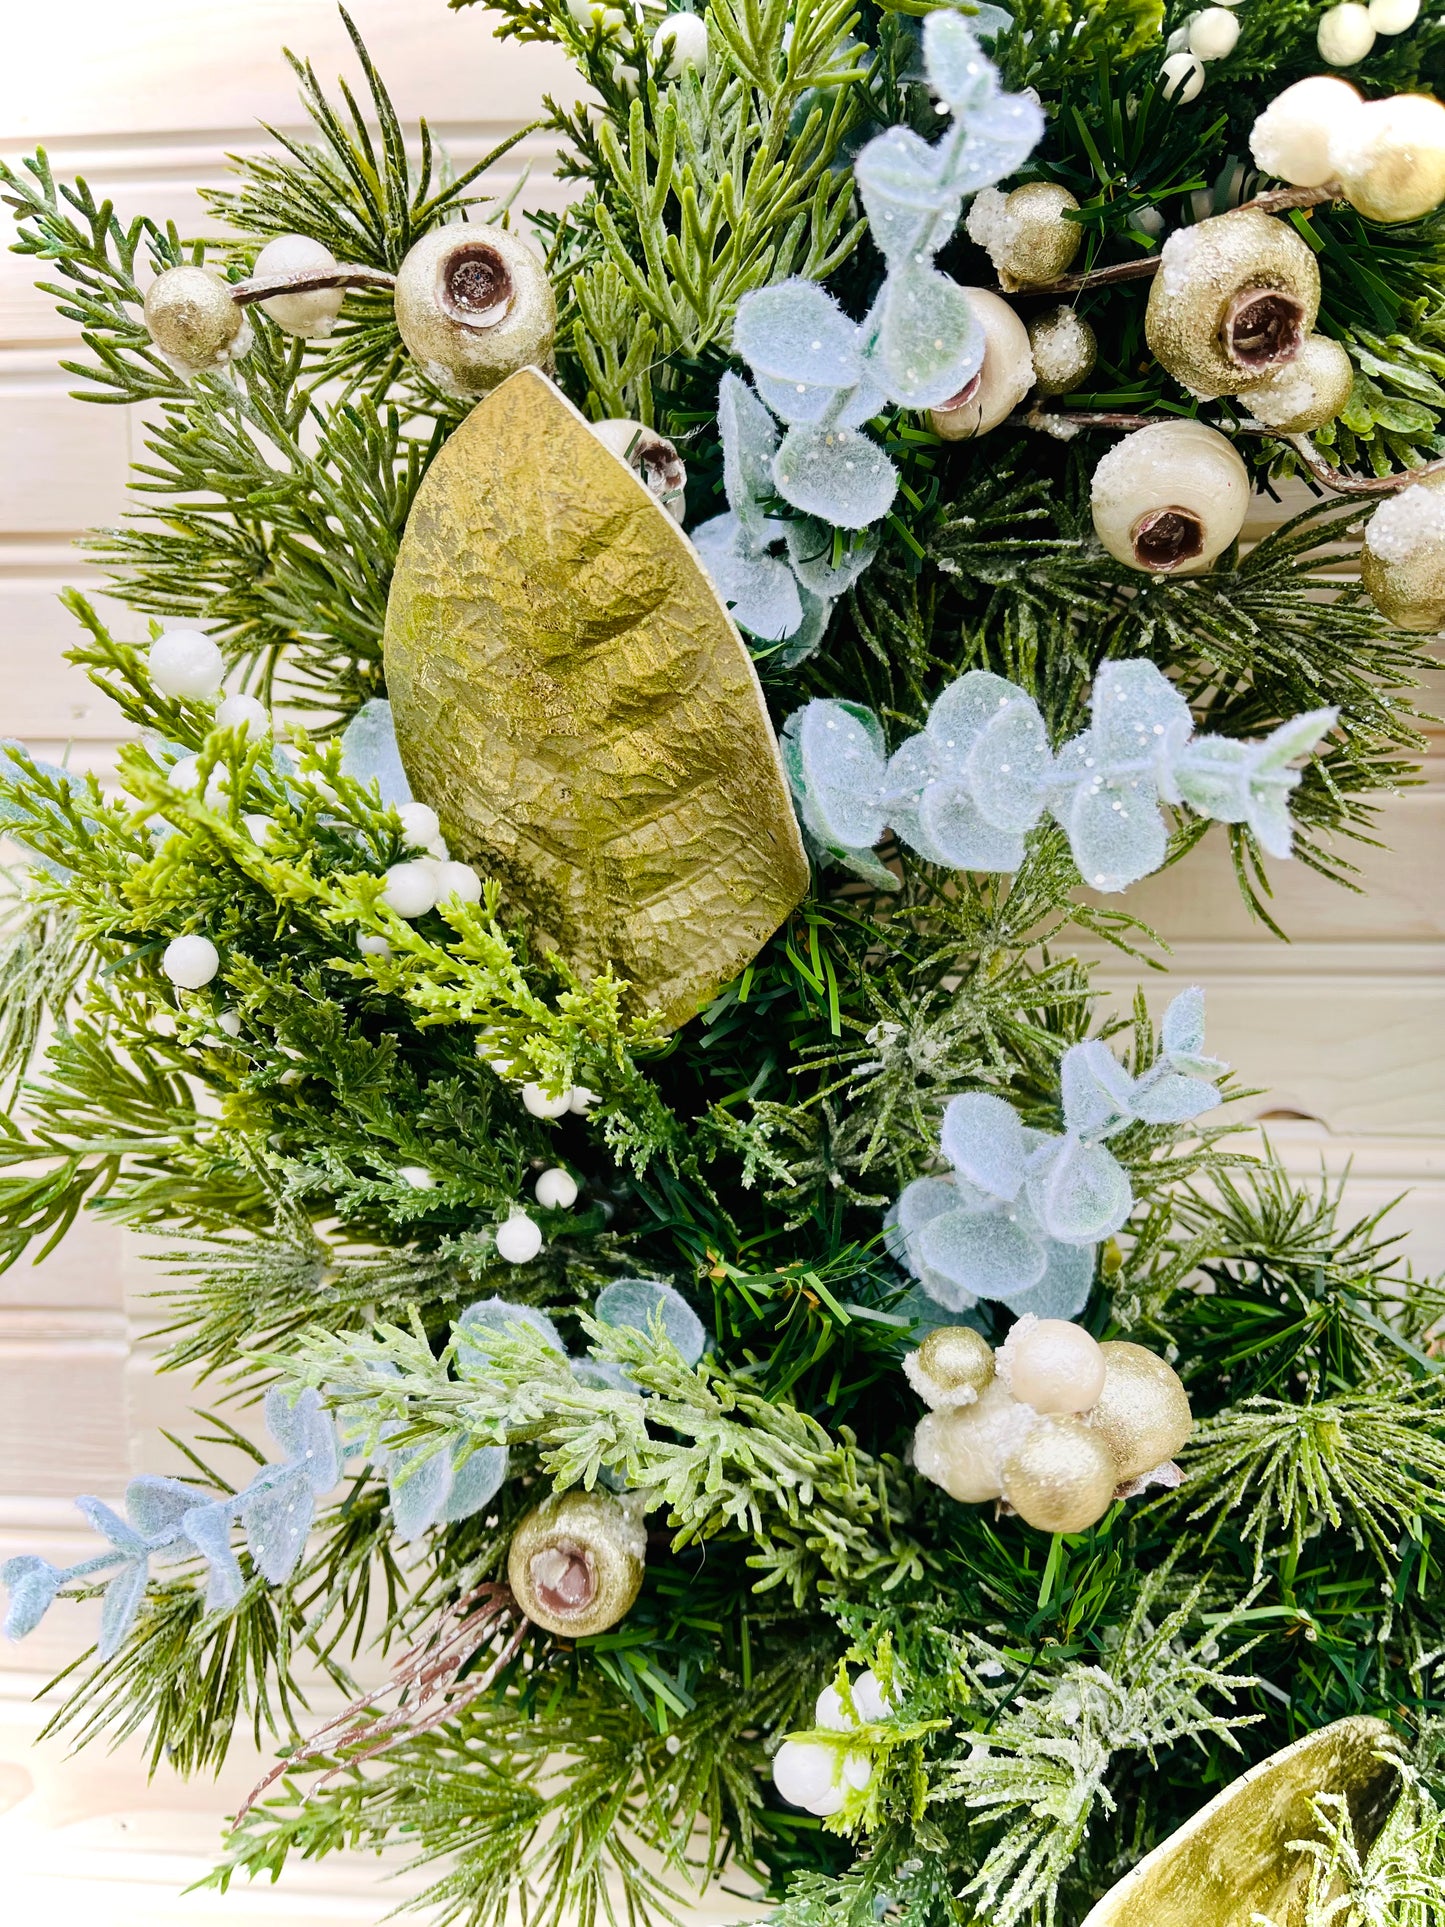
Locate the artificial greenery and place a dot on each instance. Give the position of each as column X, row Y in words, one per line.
column 324, row 1141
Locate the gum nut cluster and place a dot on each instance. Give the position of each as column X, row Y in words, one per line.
column 1402, row 558
column 308, row 312
column 1346, row 34
column 1170, row 498
column 1026, row 234
column 1004, row 377
column 1388, row 156
column 192, row 318
column 1054, row 1424
column 473, row 305
column 1234, row 301
column 818, row 1776
column 576, row 1561
column 650, row 456
column 186, row 664
column 1064, row 349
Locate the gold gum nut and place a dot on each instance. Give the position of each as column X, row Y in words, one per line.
column 1307, row 392
column 1238, row 1859
column 1064, row 349
column 575, row 1563
column 953, row 1366
column 1234, row 300
column 473, row 305
column 1025, row 233
column 1142, row 1415
column 1402, row 557
column 192, row 318
column 1060, row 1477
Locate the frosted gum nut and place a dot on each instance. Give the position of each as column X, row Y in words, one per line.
column 473, row 305
column 1005, row 375
column 1235, row 299
column 575, row 1563
column 1390, row 158
column 952, row 1366
column 1025, row 234
column 1310, row 391
column 1142, row 1414
column 1060, row 1477
column 1170, row 498
column 191, row 316
column 1064, row 349
column 1402, row 558
column 1292, row 138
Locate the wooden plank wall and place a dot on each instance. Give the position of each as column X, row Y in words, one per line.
column 1345, row 1025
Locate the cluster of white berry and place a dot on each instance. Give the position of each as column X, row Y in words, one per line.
column 1345, row 36
column 817, row 1775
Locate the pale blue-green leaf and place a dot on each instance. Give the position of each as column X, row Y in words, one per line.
column 909, row 208
column 760, row 589
column 961, row 713
column 956, row 832
column 983, row 1140
column 108, row 1523
column 1064, row 1289
column 1137, row 712
column 1268, row 815
column 1183, row 1025
column 985, row 1255
column 208, row 1528
column 1084, row 1195
column 32, row 1583
column 1096, row 1089
column 911, row 768
column 837, row 751
column 957, row 71
column 1115, row 831
column 637, row 1302
column 930, row 344
column 418, row 1480
column 837, row 474
column 304, row 1431
column 369, row 752
column 601, row 1375
column 1295, row 738
column 120, row 1606
column 475, row 1482
column 1173, row 1099
column 1211, row 775
column 277, row 1513
column 810, row 550
column 925, row 1198
column 1009, row 767
column 795, row 332
column 157, row 1507
column 1001, row 132
column 798, row 401
column 499, row 1315
column 805, row 639
column 749, row 441
column 1197, row 1065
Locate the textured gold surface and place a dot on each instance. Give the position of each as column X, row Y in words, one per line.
column 1233, row 1859
column 573, row 700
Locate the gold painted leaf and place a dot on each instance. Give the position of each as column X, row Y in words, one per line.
column 573, row 700
column 1233, row 1860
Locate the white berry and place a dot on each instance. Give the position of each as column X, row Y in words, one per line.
column 183, row 662
column 1183, row 77
column 868, row 1696
column 1346, row 34
column 805, row 1772
column 184, row 773
column 312, row 313
column 1213, row 34
column 371, row 946
column 410, row 889
column 830, row 1713
column 1291, row 138
column 582, row 1100
column 519, row 1239
column 191, row 962
column 1393, row 16
column 681, row 41
column 417, row 1176
column 557, row 1189
column 420, row 824
column 245, row 713
column 230, row 1022
column 540, row 1104
column 457, row 880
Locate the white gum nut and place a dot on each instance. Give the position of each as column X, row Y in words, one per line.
column 1170, row 498
column 1006, row 376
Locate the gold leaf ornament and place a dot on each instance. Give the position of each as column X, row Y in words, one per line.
column 573, row 700
column 1234, row 1861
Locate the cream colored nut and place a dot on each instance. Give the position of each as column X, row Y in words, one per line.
column 1234, row 299
column 1390, row 158
column 650, row 456
column 1025, row 233
column 1292, row 139
column 1308, row 392
column 311, row 313
column 1170, row 498
column 1053, row 1366
column 959, row 1447
column 1402, row 558
column 473, row 305
column 1005, row 377
column 191, row 316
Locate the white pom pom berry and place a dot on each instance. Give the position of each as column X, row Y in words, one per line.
column 411, row 889
column 191, row 962
column 519, row 1239
column 556, row 1189
column 186, row 664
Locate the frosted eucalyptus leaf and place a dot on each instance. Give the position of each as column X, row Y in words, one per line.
column 759, row 589
column 1297, row 737
column 32, row 1584
column 369, row 752
column 1136, row 712
column 962, row 712
column 119, row 1607
column 499, row 1315
column 1115, row 831
column 834, row 756
column 1269, row 819
column 897, row 175
column 157, row 1507
column 987, row 1255
column 749, row 441
column 802, row 642
column 1084, row 1195
column 208, row 1528
column 1009, row 767
column 108, row 1523
column 836, row 474
column 983, row 1139
column 601, row 1375
column 1183, row 1026
column 954, row 831
column 1063, row 1290
column 1096, row 1089
column 1174, row 1099
column 802, row 402
column 930, row 343
column 797, row 333
column 418, row 1480
column 635, row 1302
column 305, row 1433
column 276, row 1512
column 810, row 550
column 476, row 1481
column 1212, row 775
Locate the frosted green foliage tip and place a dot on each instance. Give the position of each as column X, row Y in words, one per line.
column 967, row 789
column 1019, row 1218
